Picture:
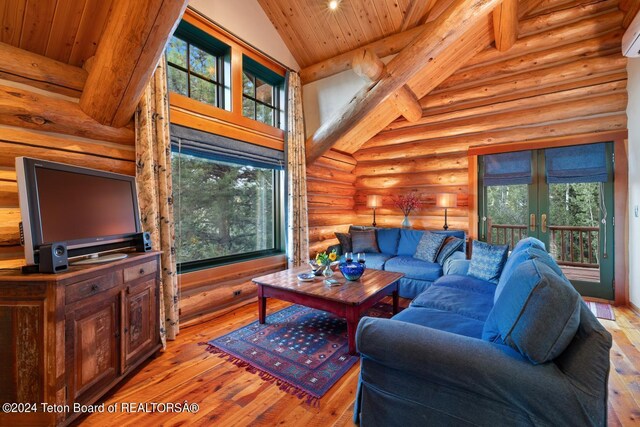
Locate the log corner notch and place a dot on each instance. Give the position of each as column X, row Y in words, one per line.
column 373, row 107
column 366, row 64
column 505, row 24
column 131, row 45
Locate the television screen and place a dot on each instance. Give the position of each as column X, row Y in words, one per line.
column 77, row 206
column 90, row 210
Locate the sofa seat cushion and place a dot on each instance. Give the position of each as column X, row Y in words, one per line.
column 414, row 268
column 469, row 283
column 376, row 260
column 441, row 320
column 411, row 288
column 537, row 313
column 464, row 302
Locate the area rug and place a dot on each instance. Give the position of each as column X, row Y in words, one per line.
column 302, row 350
column 601, row 310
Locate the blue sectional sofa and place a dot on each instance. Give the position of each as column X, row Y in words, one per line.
column 397, row 247
column 526, row 351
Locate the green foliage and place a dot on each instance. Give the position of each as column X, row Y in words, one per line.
column 221, row 208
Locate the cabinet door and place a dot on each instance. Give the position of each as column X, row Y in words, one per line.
column 92, row 345
column 140, row 323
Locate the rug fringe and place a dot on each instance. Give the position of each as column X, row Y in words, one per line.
column 292, row 389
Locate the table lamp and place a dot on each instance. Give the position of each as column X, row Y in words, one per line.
column 446, row 200
column 374, row 202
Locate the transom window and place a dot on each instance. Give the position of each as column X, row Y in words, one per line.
column 194, row 72
column 259, row 99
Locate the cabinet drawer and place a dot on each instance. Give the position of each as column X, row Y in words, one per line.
column 84, row 289
column 141, row 270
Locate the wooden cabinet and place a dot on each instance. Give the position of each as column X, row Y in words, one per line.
column 69, row 338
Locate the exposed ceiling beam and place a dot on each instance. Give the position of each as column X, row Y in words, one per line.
column 416, row 13
column 505, row 24
column 131, row 45
column 441, row 46
column 36, row 70
column 367, row 65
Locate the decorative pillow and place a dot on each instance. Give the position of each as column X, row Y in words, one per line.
column 409, row 240
column 345, row 242
column 364, row 241
column 429, row 246
column 487, row 261
column 538, row 313
column 450, row 245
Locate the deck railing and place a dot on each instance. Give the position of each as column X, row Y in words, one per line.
column 569, row 245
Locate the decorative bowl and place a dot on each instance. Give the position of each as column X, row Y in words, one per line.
column 352, row 270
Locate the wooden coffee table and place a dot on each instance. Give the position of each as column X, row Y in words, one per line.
column 348, row 300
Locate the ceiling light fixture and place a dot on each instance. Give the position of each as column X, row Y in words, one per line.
column 333, row 4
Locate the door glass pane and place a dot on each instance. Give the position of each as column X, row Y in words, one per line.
column 574, row 229
column 507, row 213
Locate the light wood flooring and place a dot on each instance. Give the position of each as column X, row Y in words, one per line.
column 229, row 396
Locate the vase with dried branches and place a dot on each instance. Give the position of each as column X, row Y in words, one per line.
column 407, row 203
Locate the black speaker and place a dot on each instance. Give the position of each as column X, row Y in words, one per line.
column 143, row 242
column 53, row 258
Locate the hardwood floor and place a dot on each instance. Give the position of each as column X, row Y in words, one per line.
column 229, row 396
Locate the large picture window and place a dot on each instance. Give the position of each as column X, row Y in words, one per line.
column 227, row 207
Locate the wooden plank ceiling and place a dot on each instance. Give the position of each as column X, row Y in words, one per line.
column 313, row 32
column 65, row 30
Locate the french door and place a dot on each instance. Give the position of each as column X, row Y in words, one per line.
column 573, row 219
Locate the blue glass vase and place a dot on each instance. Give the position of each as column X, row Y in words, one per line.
column 352, row 270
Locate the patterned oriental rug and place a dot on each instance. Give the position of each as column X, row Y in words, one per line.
column 301, row 349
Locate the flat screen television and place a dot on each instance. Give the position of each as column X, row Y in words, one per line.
column 91, row 210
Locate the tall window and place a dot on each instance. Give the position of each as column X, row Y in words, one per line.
column 194, row 72
column 228, row 207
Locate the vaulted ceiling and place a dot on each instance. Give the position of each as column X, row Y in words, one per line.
column 64, row 30
column 313, row 32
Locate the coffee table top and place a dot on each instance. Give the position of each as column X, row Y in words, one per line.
column 372, row 282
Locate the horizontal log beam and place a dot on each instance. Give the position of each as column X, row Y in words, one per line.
column 417, row 165
column 536, row 79
column 36, row 70
column 132, row 42
column 606, row 44
column 460, row 144
column 566, row 16
column 453, row 177
column 31, row 110
column 555, row 96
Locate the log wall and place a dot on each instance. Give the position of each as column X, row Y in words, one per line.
column 46, row 125
column 563, row 76
column 330, row 193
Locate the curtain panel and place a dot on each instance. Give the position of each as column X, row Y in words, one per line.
column 155, row 193
column 297, row 219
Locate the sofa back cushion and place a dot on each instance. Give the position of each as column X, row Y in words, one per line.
column 364, row 241
column 537, row 313
column 487, row 261
column 528, row 242
column 524, row 254
column 345, row 242
column 388, row 239
column 409, row 241
column 429, row 246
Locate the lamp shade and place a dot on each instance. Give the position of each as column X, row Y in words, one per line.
column 374, row 201
column 447, row 200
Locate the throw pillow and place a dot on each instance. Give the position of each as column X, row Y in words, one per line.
column 345, row 242
column 429, row 246
column 538, row 313
column 487, row 261
column 364, row 241
column 450, row 245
